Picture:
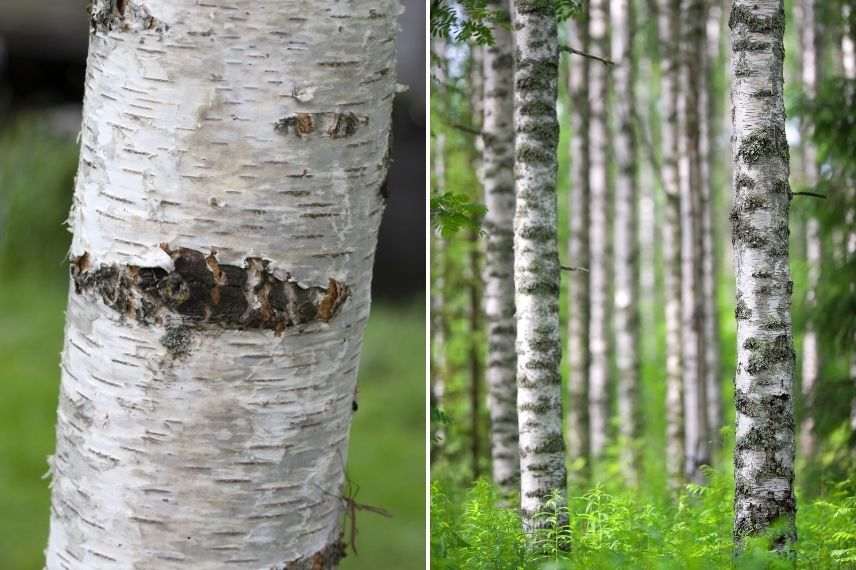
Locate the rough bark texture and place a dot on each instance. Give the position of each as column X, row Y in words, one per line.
column 225, row 218
column 536, row 260
column 498, row 181
column 806, row 25
column 599, row 230
column 578, row 249
column 707, row 141
column 668, row 29
column 764, row 447
column 626, row 297
column 696, row 430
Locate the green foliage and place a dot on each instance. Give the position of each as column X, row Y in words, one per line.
column 36, row 183
column 451, row 212
column 630, row 529
column 465, row 20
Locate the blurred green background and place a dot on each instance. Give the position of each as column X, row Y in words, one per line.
column 387, row 456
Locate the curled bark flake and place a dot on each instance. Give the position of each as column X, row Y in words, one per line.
column 201, row 290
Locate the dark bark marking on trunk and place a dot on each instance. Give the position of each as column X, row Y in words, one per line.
column 327, row 558
column 200, row 290
column 333, row 125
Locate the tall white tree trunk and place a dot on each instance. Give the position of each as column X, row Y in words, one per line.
column 848, row 63
column 536, row 260
column 498, row 179
column 806, row 25
column 764, row 447
column 626, row 298
column 225, row 219
column 578, row 249
column 707, row 142
column 599, row 230
column 668, row 30
column 696, row 430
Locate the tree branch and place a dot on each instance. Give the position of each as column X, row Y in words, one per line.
column 812, row 194
column 584, row 54
column 572, row 268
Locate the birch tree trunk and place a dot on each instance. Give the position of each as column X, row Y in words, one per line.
column 626, row 299
column 439, row 324
column 710, row 318
column 764, row 448
column 225, row 218
column 668, row 29
column 536, row 260
column 578, row 249
column 692, row 309
column 498, row 168
column 598, row 231
column 848, row 63
column 806, row 25
column 474, row 285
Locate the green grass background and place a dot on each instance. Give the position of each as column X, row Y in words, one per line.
column 387, row 455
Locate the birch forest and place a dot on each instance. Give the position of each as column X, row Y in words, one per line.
column 643, row 284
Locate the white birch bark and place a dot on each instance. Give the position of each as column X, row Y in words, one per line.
column 707, row 142
column 599, row 230
column 764, row 447
column 696, row 430
column 806, row 25
column 668, row 29
column 626, row 258
column 578, row 248
column 848, row 63
column 536, row 260
column 498, row 180
column 225, row 219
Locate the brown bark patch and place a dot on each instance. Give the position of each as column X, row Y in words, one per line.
column 201, row 290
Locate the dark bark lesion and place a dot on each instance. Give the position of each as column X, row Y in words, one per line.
column 200, row 290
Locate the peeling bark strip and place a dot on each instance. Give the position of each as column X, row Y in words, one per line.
column 186, row 436
column 764, row 446
column 536, row 260
column 203, row 291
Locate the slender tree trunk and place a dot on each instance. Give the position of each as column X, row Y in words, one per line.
column 764, row 448
column 578, row 250
column 696, row 429
column 225, row 219
column 806, row 25
column 626, row 299
column 668, row 25
column 475, row 354
column 439, row 324
column 599, row 231
column 498, row 166
column 848, row 63
column 710, row 319
column 474, row 286
column 536, row 260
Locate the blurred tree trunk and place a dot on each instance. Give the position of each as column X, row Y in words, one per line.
column 764, row 447
column 475, row 277
column 224, row 233
column 668, row 26
column 807, row 40
column 848, row 64
column 439, row 264
column 710, row 320
column 696, row 429
column 536, row 261
column 498, row 180
column 599, row 230
column 626, row 309
column 578, row 249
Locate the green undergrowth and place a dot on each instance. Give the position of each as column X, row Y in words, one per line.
column 621, row 528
